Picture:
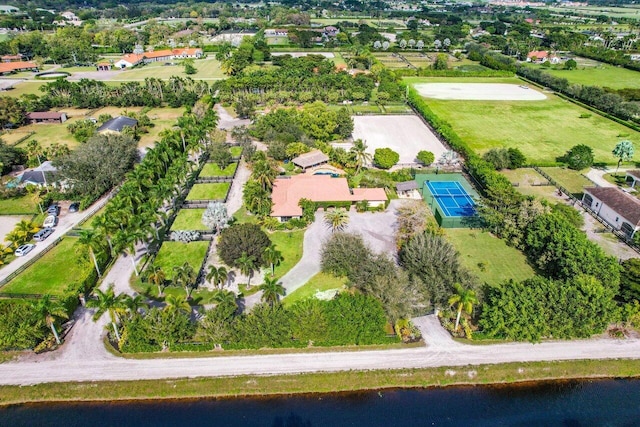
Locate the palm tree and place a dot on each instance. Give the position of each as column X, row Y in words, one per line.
column 624, row 151
column 91, row 240
column 133, row 303
column 108, row 301
column 272, row 290
column 217, row 276
column 464, row 299
column 336, row 219
column 158, row 277
column 49, row 310
column 247, row 265
column 264, row 172
column 177, row 303
column 26, row 229
column 185, row 276
column 273, row 257
column 359, row 150
column 223, row 297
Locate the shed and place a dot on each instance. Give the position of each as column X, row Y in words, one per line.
column 46, row 117
column 310, row 159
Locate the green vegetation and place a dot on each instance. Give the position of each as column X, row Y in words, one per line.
column 530, row 183
column 319, row 283
column 236, row 151
column 18, row 206
column 52, row 273
column 489, row 257
column 207, row 69
column 570, row 179
column 175, row 254
column 189, row 219
column 211, row 169
column 601, row 75
column 289, row 243
column 216, row 191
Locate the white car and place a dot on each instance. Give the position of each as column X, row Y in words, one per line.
column 24, row 249
column 50, row 221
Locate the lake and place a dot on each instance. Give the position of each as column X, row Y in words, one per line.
column 570, row 403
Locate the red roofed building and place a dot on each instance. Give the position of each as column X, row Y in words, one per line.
column 46, row 117
column 129, row 60
column 287, row 193
column 11, row 67
column 537, row 56
column 12, row 58
column 195, row 53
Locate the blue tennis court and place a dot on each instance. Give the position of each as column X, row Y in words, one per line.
column 452, row 198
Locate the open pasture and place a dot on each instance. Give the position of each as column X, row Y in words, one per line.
column 598, row 74
column 404, row 134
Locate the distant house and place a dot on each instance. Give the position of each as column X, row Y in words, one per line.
column 46, row 117
column 635, row 56
column 16, row 66
column 273, row 32
column 103, row 66
column 537, row 56
column 12, row 58
column 117, row 124
column 633, row 178
column 310, row 159
column 129, row 60
column 9, row 10
column 615, row 207
column 288, row 191
column 195, row 53
column 42, row 175
column 133, row 59
column 331, row 31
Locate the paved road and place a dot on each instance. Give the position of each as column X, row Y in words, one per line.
column 596, row 176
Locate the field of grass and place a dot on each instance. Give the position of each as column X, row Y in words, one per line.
column 208, row 69
column 52, row 273
column 289, row 243
column 211, row 169
column 24, row 88
column 572, row 180
column 604, row 75
column 46, row 134
column 189, row 219
column 18, row 205
column 542, row 130
column 489, row 257
column 530, row 183
column 217, row 191
column 236, row 151
column 174, row 254
column 319, row 283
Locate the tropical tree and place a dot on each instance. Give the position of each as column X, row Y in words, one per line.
column 217, row 276
column 273, row 257
column 185, row 276
column 359, row 150
column 247, row 265
column 158, row 277
column 48, row 310
column 225, row 298
column 131, row 304
column 336, row 219
column 177, row 303
column 92, row 240
column 108, row 301
column 464, row 299
column 272, row 290
column 623, row 151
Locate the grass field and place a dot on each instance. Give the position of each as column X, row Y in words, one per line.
column 236, row 151
column 319, row 283
column 488, row 257
column 24, row 88
column 52, row 273
column 208, row 69
column 189, row 219
column 217, row 191
column 604, row 75
column 531, row 183
column 18, row 205
column 174, row 254
column 572, row 180
column 289, row 243
column 211, row 169
column 542, row 130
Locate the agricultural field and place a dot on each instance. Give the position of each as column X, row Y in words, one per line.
column 599, row 74
column 189, row 219
column 489, row 257
column 217, row 191
column 543, row 130
column 175, row 254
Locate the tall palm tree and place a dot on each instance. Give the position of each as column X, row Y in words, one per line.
column 158, row 277
column 359, row 151
column 272, row 290
column 185, row 276
column 49, row 310
column 336, row 220
column 177, row 303
column 247, row 265
column 91, row 240
column 264, row 172
column 132, row 304
column 26, row 229
column 464, row 299
column 217, row 276
column 108, row 301
column 273, row 257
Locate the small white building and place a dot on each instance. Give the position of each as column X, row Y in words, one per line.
column 129, row 60
column 615, row 207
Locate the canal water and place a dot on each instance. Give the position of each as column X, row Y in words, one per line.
column 571, row 403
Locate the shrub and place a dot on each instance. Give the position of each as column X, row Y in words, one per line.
column 425, row 157
column 242, row 238
column 579, row 157
column 385, row 158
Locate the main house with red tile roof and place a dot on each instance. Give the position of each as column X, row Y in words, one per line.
column 16, row 66
column 540, row 56
column 133, row 59
column 288, row 191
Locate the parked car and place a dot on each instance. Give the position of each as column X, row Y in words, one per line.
column 74, row 207
column 24, row 249
column 50, row 221
column 42, row 234
column 53, row 210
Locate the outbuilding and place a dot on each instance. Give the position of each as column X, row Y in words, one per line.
column 617, row 208
column 46, row 117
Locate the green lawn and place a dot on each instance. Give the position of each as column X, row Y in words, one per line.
column 217, row 191
column 211, row 169
column 18, row 205
column 208, row 69
column 572, row 180
column 242, row 216
column 528, row 182
column 604, row 75
column 174, row 254
column 489, row 257
column 319, row 283
column 542, row 130
column 289, row 243
column 189, row 219
column 52, row 273
column 24, row 88
column 236, row 151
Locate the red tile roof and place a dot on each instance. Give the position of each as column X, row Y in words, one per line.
column 540, row 54
column 7, row 67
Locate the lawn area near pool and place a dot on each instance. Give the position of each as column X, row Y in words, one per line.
column 52, row 273
column 189, row 219
column 489, row 257
column 574, row 181
column 211, row 169
column 289, row 243
column 542, row 130
column 175, row 254
column 216, row 191
column 321, row 282
column 603, row 75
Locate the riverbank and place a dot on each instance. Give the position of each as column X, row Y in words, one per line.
column 260, row 386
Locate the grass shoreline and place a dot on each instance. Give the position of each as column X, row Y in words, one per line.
column 255, row 386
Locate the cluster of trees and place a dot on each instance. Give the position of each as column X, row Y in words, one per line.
column 251, row 50
column 385, row 158
column 10, row 156
column 505, row 158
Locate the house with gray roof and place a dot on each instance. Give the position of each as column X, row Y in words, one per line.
column 615, row 207
column 40, row 176
column 310, row 159
column 117, row 124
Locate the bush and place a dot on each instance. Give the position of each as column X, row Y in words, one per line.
column 385, row 158
column 242, row 238
column 425, row 157
column 579, row 157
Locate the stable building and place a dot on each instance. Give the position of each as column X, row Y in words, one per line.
column 633, row 178
column 310, row 159
column 17, row 66
column 617, row 208
column 46, row 117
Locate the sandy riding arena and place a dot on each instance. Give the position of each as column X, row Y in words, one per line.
column 479, row 91
column 404, row 134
